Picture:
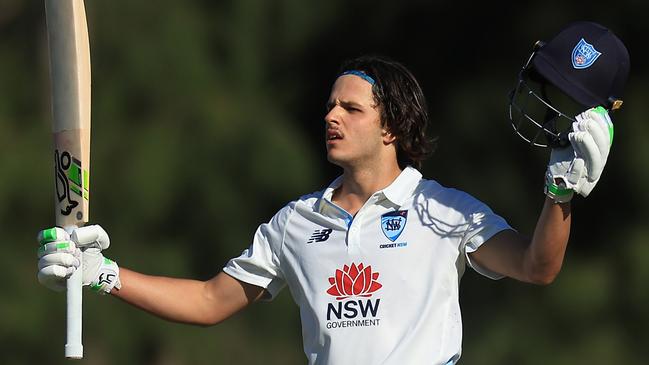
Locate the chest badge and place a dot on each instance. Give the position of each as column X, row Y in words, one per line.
column 393, row 223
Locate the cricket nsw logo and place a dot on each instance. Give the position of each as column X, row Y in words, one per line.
column 354, row 280
column 584, row 55
column 393, row 223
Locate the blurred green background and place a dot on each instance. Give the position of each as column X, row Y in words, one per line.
column 207, row 118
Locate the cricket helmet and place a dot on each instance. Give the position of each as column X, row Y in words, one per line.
column 583, row 66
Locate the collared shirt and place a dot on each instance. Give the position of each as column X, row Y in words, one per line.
column 380, row 287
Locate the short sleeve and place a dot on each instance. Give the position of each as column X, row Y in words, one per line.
column 483, row 224
column 259, row 264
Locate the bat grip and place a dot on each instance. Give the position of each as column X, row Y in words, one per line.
column 73, row 346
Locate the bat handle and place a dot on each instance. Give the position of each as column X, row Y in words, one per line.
column 73, row 346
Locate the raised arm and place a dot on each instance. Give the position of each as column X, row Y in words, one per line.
column 537, row 260
column 576, row 168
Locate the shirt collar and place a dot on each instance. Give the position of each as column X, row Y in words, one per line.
column 397, row 192
column 403, row 186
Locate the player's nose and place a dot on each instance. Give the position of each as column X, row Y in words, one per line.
column 332, row 116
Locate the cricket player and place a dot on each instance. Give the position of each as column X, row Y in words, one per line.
column 373, row 260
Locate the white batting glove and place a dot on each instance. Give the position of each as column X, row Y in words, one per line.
column 592, row 139
column 577, row 168
column 60, row 253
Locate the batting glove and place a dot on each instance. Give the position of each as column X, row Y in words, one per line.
column 60, row 253
column 577, row 168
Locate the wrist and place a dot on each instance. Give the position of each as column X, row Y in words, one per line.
column 557, row 190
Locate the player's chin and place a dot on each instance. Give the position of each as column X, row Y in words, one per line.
column 334, row 157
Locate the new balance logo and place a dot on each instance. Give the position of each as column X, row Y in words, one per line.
column 320, row 235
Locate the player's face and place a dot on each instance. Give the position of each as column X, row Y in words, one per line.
column 353, row 126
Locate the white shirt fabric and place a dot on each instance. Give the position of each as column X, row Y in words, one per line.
column 380, row 287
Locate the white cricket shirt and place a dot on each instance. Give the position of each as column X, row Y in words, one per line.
column 380, row 287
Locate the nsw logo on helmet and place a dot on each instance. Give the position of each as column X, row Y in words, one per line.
column 584, row 55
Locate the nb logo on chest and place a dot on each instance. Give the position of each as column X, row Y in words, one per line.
column 320, row 235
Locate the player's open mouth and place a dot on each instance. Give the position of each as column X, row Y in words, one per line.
column 333, row 135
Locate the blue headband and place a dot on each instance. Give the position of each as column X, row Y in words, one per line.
column 360, row 74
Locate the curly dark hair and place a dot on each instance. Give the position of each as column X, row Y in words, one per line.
column 402, row 106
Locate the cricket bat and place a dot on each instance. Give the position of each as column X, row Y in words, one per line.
column 69, row 51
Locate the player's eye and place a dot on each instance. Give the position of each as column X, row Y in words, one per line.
column 352, row 109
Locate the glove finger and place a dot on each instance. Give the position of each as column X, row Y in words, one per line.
column 599, row 132
column 582, row 116
column 58, row 259
column 51, row 235
column 578, row 126
column 57, row 271
column 572, row 137
column 603, row 126
column 600, row 116
column 54, row 276
column 58, row 247
column 587, row 149
column 91, row 236
column 54, row 283
column 575, row 173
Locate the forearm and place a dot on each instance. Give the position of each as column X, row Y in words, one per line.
column 544, row 256
column 178, row 300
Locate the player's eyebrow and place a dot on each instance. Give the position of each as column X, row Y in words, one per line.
column 344, row 103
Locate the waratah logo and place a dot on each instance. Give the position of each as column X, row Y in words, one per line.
column 354, row 281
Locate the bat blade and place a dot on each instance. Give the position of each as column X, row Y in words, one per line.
column 70, row 78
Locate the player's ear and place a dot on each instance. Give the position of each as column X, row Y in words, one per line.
column 388, row 137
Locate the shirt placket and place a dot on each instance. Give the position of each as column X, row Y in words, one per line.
column 355, row 231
